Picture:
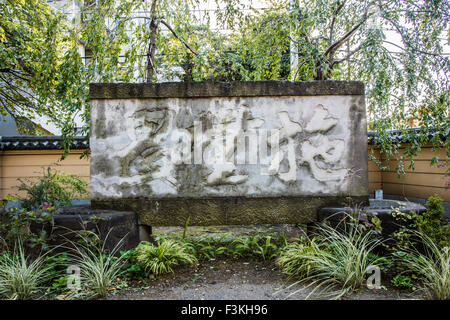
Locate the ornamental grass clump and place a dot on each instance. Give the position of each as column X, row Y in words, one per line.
column 295, row 259
column 162, row 257
column 334, row 263
column 99, row 270
column 432, row 266
column 21, row 278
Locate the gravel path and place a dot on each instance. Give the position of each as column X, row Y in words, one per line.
column 229, row 279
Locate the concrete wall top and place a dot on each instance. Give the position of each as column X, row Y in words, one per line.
column 223, row 89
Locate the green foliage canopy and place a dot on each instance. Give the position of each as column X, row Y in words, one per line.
column 43, row 71
column 32, row 76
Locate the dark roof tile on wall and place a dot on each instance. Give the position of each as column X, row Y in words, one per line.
column 412, row 133
column 40, row 143
column 80, row 142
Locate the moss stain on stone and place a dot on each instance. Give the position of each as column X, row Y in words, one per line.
column 225, row 211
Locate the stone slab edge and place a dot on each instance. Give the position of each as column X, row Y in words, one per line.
column 226, row 211
column 223, row 89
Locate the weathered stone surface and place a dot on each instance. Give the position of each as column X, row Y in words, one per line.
column 223, row 89
column 290, row 148
column 225, row 211
column 118, row 229
column 380, row 208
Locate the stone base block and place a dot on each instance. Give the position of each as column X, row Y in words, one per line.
column 226, row 211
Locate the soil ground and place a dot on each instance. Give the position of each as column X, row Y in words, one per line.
column 231, row 279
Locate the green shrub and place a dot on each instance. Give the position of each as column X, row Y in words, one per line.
column 162, row 257
column 57, row 273
column 132, row 269
column 429, row 224
column 15, row 227
column 402, row 281
column 386, row 263
column 53, row 187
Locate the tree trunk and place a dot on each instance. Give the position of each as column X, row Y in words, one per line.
column 188, row 77
column 319, row 74
column 152, row 43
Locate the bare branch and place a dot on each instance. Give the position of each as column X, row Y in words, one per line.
column 152, row 43
column 320, row 75
column 331, row 49
column 334, row 20
column 179, row 38
column 415, row 49
column 170, row 29
column 348, row 56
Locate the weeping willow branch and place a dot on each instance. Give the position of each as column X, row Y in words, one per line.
column 179, row 38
